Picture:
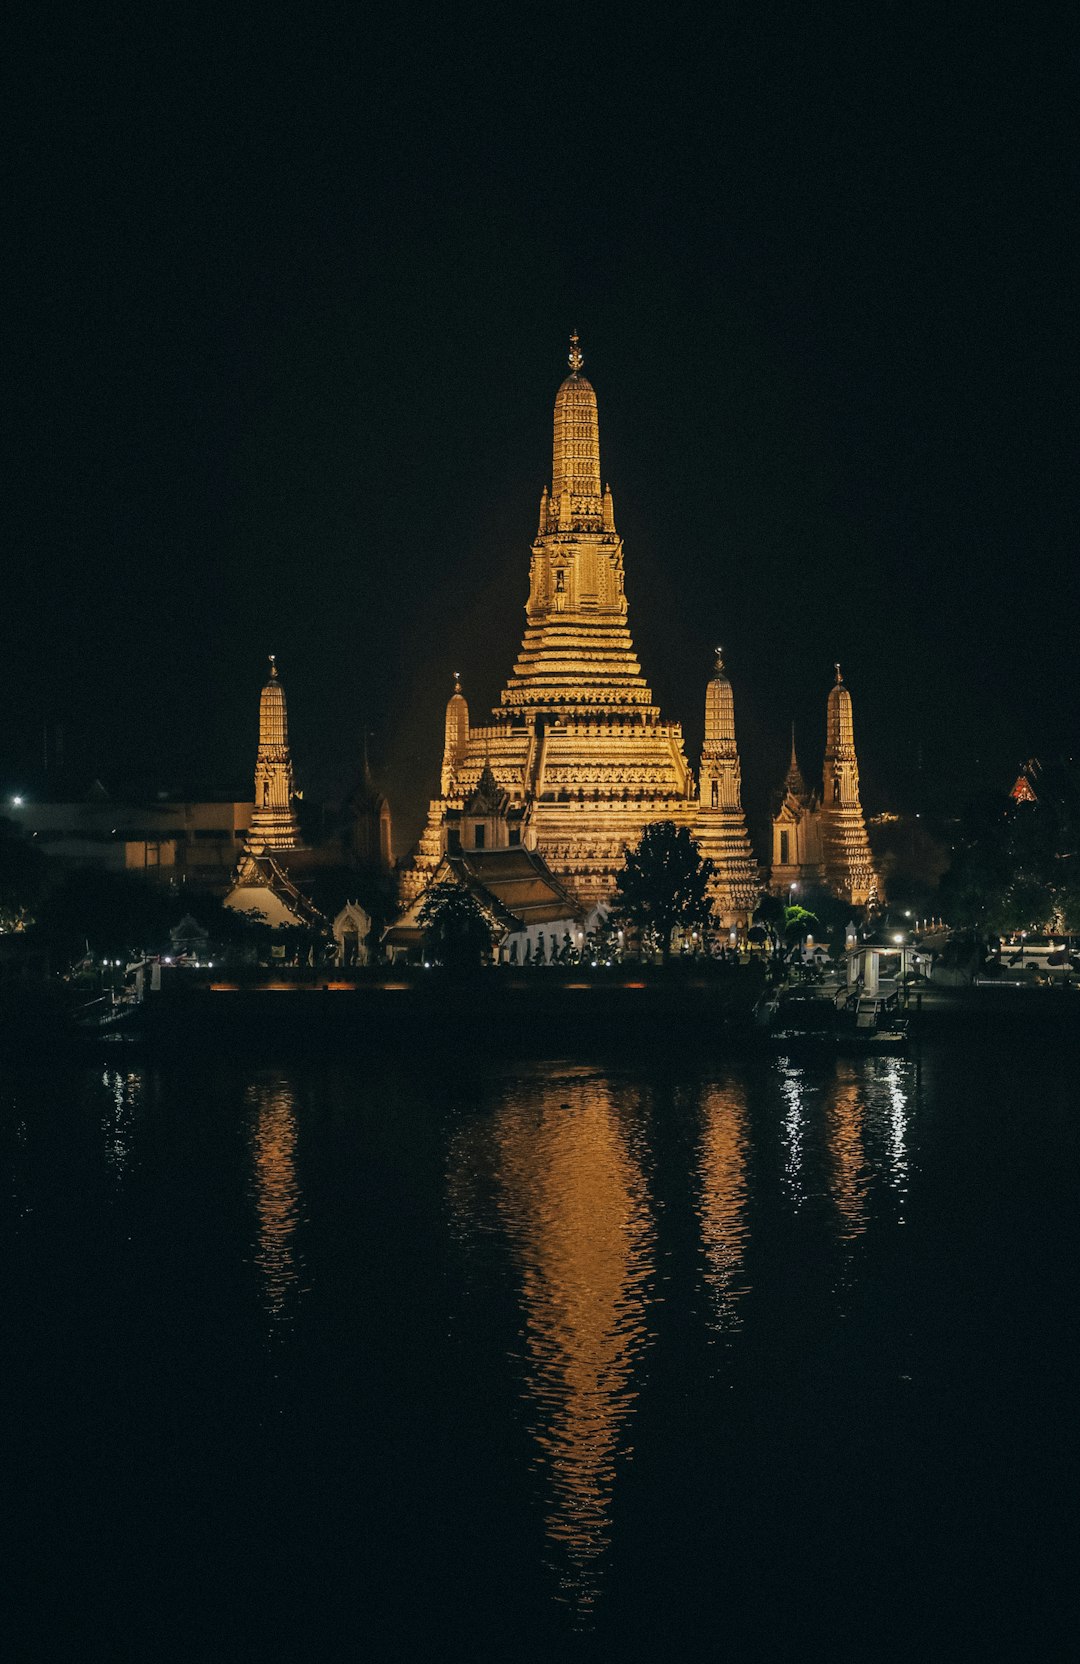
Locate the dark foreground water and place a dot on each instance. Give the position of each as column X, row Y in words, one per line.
column 439, row 1359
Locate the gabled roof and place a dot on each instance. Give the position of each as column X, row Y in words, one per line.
column 262, row 872
column 188, row 930
column 515, row 887
column 488, row 798
column 520, row 881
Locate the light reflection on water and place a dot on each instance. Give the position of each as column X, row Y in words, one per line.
column 869, row 1113
column 793, row 1127
column 569, row 1194
column 123, row 1099
column 277, row 1196
column 554, row 1173
column 849, row 1176
column 576, row 1197
column 722, row 1202
column 890, row 1094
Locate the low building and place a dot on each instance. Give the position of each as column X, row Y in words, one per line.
column 528, row 910
column 181, row 841
column 281, row 877
column 352, row 933
column 819, row 841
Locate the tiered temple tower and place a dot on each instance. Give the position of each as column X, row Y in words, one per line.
column 849, row 867
column 821, row 841
column 720, row 825
column 577, row 744
column 274, row 824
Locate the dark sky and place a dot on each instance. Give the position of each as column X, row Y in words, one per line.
column 287, row 299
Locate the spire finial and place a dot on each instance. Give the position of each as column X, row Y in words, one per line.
column 273, row 666
column 793, row 760
column 575, row 360
column 839, row 678
column 719, row 651
column 457, row 681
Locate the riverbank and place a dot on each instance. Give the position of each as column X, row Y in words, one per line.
column 542, row 1012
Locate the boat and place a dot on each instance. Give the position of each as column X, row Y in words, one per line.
column 873, row 1023
column 801, row 1020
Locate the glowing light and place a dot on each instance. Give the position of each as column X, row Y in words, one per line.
column 16, row 802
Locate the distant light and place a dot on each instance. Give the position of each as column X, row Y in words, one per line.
column 16, row 803
column 898, row 938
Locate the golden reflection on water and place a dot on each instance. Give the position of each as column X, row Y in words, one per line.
column 570, row 1195
column 277, row 1195
column 722, row 1186
column 848, row 1175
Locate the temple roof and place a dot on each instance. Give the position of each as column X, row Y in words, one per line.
column 516, row 887
column 263, row 885
column 520, row 881
column 488, row 797
column 793, row 780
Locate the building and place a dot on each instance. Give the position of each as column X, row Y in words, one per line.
column 352, row 932
column 577, row 759
column 288, row 879
column 188, row 842
column 367, row 831
column 820, row 841
column 265, row 884
column 796, row 834
column 719, row 824
column 530, row 915
column 273, row 824
column 1023, row 791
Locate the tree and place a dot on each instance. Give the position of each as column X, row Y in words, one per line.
column 664, row 882
column 457, row 931
column 798, row 923
column 1015, row 867
column 769, row 912
column 115, row 913
column 22, row 878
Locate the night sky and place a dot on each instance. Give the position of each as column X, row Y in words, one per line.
column 287, row 304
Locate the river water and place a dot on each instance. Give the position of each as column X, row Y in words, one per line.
column 422, row 1358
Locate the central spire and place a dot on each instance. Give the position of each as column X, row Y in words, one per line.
column 576, row 495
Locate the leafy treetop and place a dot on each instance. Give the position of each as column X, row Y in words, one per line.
column 664, row 882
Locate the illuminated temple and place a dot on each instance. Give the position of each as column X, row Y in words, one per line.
column 819, row 839
column 577, row 755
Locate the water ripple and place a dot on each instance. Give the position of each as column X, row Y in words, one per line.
column 570, row 1196
column 722, row 1197
column 278, row 1198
